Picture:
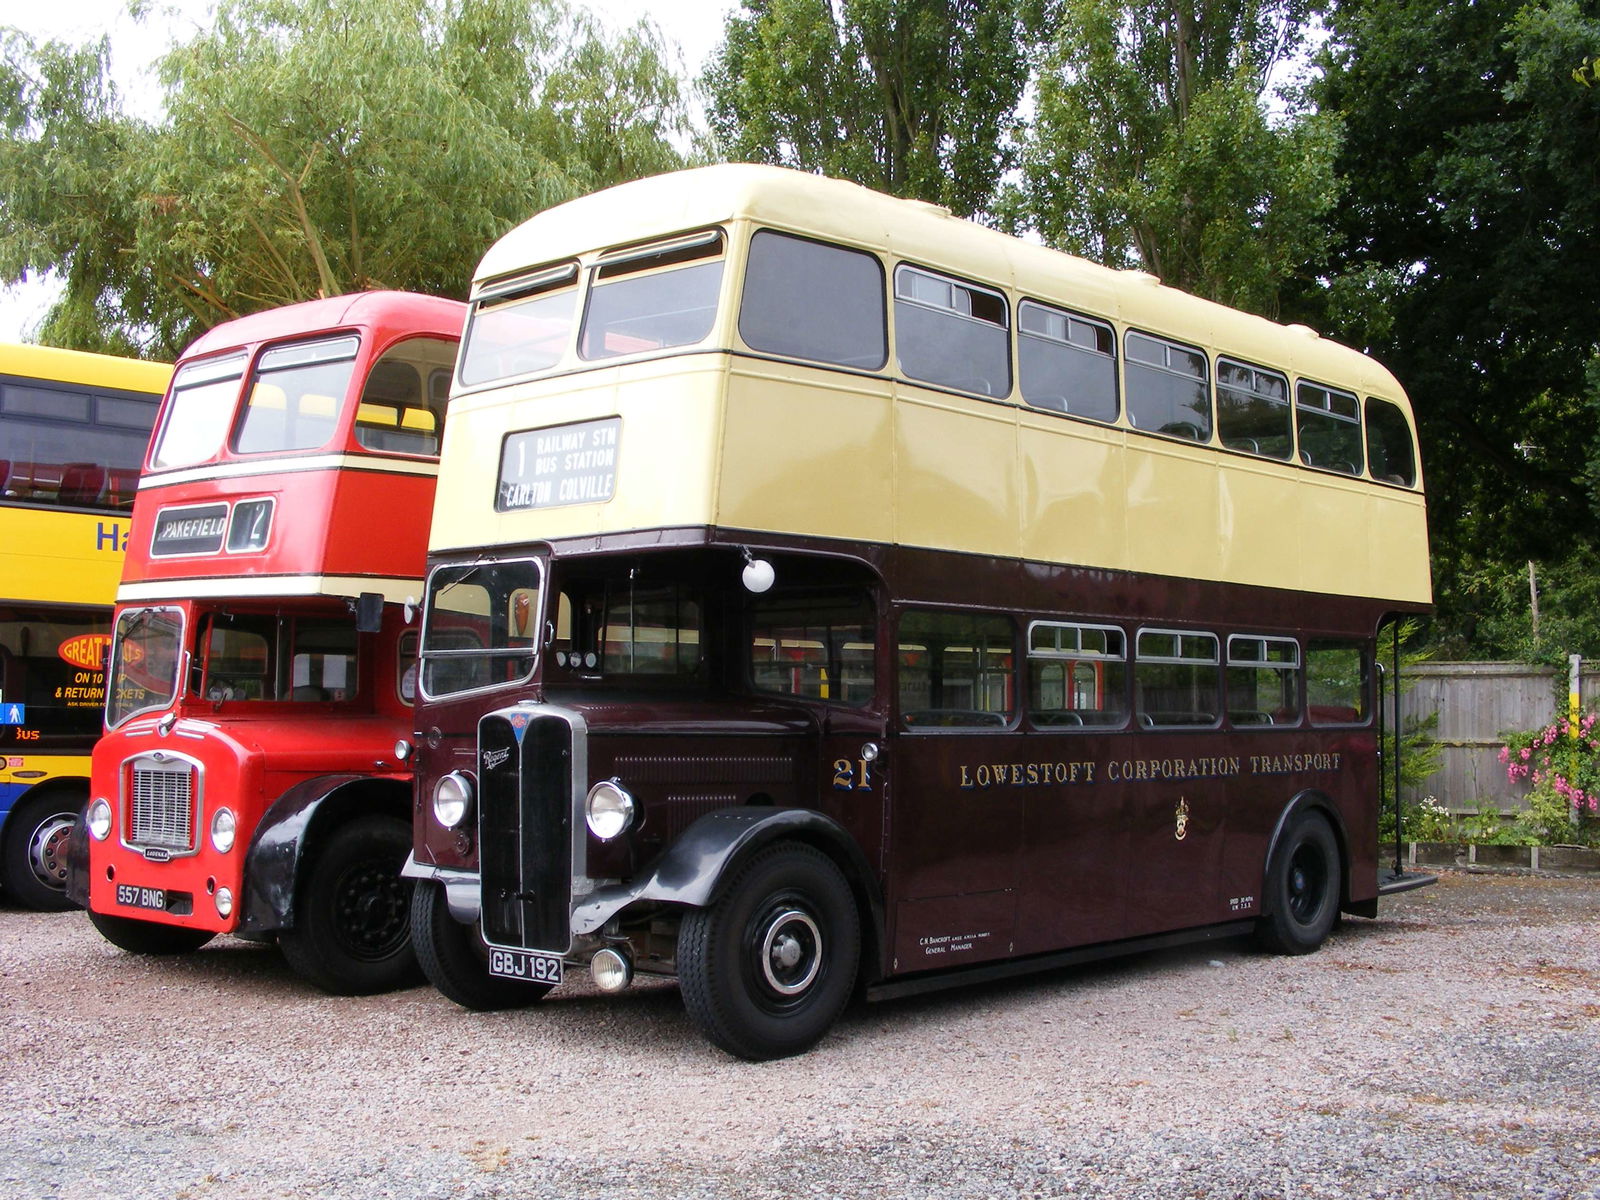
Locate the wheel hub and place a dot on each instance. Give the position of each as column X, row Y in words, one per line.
column 47, row 852
column 791, row 952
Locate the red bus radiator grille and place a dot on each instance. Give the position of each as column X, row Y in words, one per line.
column 163, row 807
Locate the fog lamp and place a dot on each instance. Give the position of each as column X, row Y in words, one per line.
column 610, row 970
column 609, row 809
column 100, row 820
column 224, row 901
column 452, row 797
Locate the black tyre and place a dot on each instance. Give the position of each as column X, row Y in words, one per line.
column 148, row 937
column 1302, row 889
column 454, row 958
column 33, row 861
column 352, row 927
column 768, row 967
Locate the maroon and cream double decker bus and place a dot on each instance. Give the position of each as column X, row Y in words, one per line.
column 262, row 670
column 828, row 595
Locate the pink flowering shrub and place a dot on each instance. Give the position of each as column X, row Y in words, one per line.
column 1564, row 771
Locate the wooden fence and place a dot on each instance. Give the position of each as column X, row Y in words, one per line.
column 1477, row 703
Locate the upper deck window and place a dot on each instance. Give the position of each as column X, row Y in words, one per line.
column 810, row 300
column 951, row 333
column 1329, row 424
column 1066, row 363
column 295, row 396
column 1390, row 454
column 519, row 326
column 204, row 394
column 1168, row 388
column 652, row 297
column 1253, row 410
column 72, row 445
column 403, row 401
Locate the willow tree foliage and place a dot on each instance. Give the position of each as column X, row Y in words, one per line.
column 1158, row 143
column 917, row 98
column 312, row 147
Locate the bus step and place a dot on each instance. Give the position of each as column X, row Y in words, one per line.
column 1390, row 881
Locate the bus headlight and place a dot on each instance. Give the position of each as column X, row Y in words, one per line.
column 609, row 809
column 452, row 799
column 223, row 828
column 100, row 820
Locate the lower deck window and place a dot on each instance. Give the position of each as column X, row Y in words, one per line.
column 1336, row 683
column 1175, row 678
column 956, row 669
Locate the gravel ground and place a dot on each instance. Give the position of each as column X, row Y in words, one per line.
column 1449, row 1049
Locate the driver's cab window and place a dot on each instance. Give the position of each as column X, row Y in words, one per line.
column 622, row 630
column 257, row 656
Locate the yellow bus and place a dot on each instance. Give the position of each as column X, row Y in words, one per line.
column 828, row 595
column 73, row 431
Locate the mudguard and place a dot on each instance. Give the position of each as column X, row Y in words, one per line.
column 692, row 868
column 78, row 859
column 1314, row 801
column 272, row 864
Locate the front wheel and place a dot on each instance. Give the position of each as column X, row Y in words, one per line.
column 34, row 863
column 148, row 937
column 1302, row 892
column 453, row 957
column 767, row 968
column 352, row 928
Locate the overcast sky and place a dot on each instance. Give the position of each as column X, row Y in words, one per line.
column 695, row 25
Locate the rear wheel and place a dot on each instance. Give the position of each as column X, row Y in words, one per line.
column 1302, row 896
column 352, row 928
column 148, row 937
column 34, row 864
column 767, row 968
column 454, row 958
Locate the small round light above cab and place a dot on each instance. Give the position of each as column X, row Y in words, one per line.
column 609, row 809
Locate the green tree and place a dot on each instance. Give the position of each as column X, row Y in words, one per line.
column 1465, row 254
column 1153, row 146
column 913, row 97
column 309, row 148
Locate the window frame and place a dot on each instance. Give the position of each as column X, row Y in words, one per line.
column 1069, row 318
column 1130, row 362
column 905, row 268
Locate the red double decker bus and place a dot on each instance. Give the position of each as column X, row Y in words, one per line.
column 262, row 669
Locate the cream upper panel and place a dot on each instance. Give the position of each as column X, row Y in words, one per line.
column 753, row 442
